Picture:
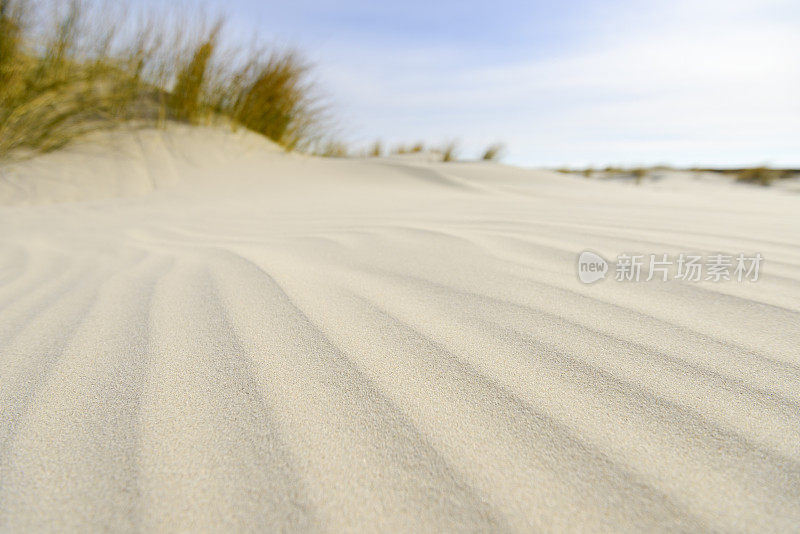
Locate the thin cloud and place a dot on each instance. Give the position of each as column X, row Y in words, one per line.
column 692, row 82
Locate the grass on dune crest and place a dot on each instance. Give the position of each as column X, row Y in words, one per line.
column 400, row 149
column 757, row 175
column 493, row 152
column 275, row 99
column 185, row 100
column 753, row 175
column 449, row 151
column 47, row 95
column 376, row 150
column 332, row 149
column 69, row 67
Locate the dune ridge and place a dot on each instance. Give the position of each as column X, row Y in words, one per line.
column 201, row 332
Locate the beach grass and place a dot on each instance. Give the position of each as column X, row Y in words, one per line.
column 332, row 148
column 757, row 175
column 493, row 152
column 376, row 150
column 68, row 68
column 449, row 151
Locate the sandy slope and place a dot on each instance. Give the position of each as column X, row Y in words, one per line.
column 274, row 342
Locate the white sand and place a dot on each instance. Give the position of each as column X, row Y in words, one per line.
column 213, row 335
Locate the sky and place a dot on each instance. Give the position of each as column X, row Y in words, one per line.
column 570, row 83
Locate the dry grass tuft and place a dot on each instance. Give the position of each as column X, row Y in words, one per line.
column 757, row 175
column 333, row 149
column 185, row 101
column 377, row 150
column 449, row 151
column 275, row 99
column 91, row 69
column 639, row 174
column 47, row 95
column 493, row 152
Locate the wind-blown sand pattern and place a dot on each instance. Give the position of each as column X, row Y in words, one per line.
column 212, row 335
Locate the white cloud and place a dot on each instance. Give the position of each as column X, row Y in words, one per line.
column 704, row 82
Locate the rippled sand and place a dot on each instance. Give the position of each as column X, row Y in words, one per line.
column 211, row 335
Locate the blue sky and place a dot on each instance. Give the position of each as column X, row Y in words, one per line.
column 577, row 82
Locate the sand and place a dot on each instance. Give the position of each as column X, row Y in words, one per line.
column 200, row 332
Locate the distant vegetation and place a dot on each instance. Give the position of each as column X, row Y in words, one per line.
column 377, row 150
column 449, row 151
column 639, row 173
column 400, row 149
column 755, row 175
column 761, row 175
column 332, row 149
column 493, row 152
column 68, row 68
column 758, row 175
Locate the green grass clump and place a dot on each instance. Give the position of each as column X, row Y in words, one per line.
column 9, row 46
column 82, row 73
column 493, row 152
column 639, row 174
column 449, row 152
column 758, row 175
column 377, row 150
column 761, row 175
column 185, row 100
column 333, row 149
column 276, row 100
column 48, row 98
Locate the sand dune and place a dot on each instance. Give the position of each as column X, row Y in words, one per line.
column 202, row 333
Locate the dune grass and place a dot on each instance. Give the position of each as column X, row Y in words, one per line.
column 185, row 100
column 51, row 94
column 639, row 174
column 757, row 175
column 70, row 67
column 493, row 152
column 449, row 151
column 332, row 148
column 376, row 150
column 275, row 99
column 400, row 149
column 761, row 175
